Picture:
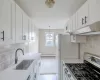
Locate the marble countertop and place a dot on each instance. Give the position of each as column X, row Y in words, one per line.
column 12, row 74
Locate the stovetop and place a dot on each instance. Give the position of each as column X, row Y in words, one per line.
column 82, row 71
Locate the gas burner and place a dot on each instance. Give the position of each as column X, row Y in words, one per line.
column 82, row 71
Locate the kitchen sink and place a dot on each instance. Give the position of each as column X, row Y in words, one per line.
column 24, row 65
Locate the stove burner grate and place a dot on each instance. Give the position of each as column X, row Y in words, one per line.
column 83, row 72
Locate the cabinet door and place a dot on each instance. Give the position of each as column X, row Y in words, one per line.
column 94, row 11
column 76, row 20
column 71, row 24
column 68, row 27
column 25, row 27
column 5, row 21
column 74, row 23
column 32, row 33
column 30, row 29
column 83, row 16
column 13, row 20
column 18, row 25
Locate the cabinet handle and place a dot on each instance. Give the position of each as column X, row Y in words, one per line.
column 66, row 28
column 85, row 19
column 3, row 35
column 24, row 37
column 82, row 21
column 35, row 76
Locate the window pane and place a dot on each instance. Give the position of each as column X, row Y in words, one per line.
column 49, row 43
column 49, row 39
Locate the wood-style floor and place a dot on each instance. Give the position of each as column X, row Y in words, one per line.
column 48, row 70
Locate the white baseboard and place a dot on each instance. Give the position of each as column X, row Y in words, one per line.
column 51, row 55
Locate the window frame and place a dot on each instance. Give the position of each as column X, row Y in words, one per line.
column 52, row 40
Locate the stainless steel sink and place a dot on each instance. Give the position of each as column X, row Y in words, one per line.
column 24, row 65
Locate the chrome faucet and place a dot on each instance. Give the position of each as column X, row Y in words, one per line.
column 16, row 57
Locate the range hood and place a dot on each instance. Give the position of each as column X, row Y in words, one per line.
column 92, row 29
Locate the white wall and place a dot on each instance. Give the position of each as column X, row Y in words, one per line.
column 44, row 49
column 92, row 46
column 34, row 46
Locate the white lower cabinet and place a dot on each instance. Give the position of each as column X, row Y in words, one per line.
column 36, row 70
column 78, row 39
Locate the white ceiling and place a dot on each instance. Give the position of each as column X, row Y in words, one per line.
column 55, row 17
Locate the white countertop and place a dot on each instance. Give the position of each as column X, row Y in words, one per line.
column 11, row 74
column 73, row 61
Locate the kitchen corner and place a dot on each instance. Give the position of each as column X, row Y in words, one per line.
column 29, row 74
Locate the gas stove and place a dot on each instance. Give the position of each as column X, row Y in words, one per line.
column 89, row 70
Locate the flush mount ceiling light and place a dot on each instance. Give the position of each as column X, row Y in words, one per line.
column 50, row 3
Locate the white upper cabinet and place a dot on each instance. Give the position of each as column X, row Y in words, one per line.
column 83, row 15
column 5, row 22
column 13, row 21
column 14, row 24
column 32, row 32
column 94, row 11
column 67, row 27
column 71, row 24
column 29, row 29
column 74, row 22
column 25, row 27
column 19, row 28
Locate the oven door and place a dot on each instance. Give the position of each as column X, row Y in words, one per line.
column 65, row 75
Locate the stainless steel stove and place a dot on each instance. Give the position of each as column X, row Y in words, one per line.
column 89, row 70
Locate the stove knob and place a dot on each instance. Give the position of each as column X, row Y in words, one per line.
column 69, row 75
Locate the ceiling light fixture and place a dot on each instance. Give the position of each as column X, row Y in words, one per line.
column 50, row 3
